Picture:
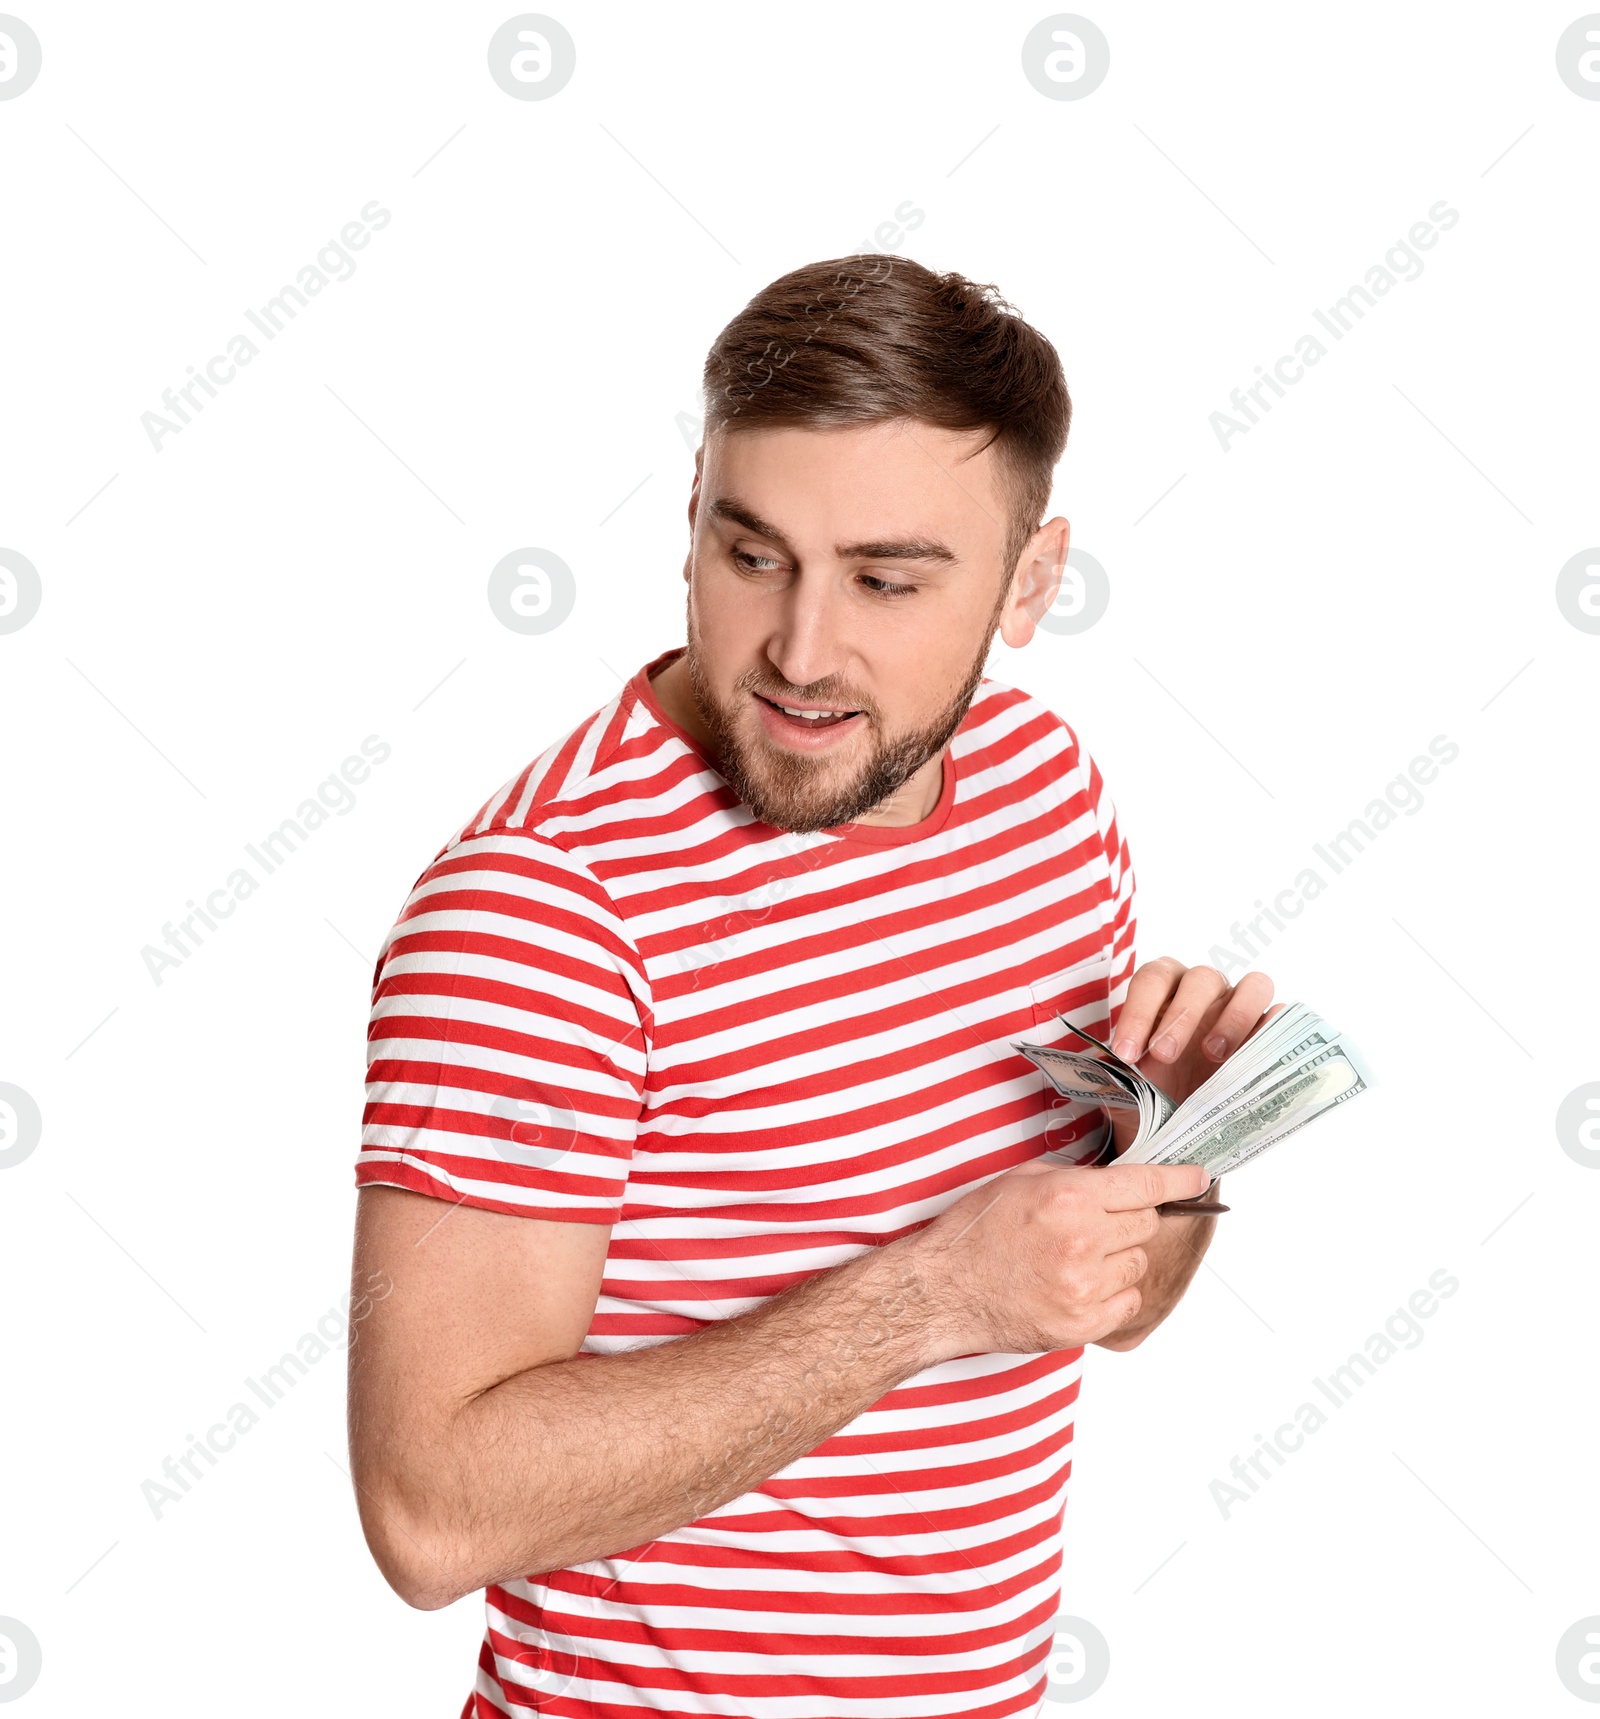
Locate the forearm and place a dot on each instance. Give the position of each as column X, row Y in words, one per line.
column 582, row 1458
column 1175, row 1256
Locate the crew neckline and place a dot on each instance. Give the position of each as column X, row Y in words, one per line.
column 870, row 835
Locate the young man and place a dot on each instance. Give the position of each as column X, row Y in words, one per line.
column 741, row 1268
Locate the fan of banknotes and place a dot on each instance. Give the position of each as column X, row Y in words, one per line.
column 1285, row 1075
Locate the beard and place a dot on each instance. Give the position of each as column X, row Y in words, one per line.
column 794, row 791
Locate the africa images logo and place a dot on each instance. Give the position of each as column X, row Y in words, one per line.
column 20, row 57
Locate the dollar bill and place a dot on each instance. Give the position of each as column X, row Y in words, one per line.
column 1077, row 1076
column 1289, row 1072
column 1088, row 1075
column 1269, row 1112
column 1200, row 1113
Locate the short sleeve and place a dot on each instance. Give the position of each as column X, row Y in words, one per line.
column 507, row 1043
column 1120, row 920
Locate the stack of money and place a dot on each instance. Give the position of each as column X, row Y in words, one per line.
column 1287, row 1073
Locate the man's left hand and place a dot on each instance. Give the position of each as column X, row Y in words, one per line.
column 1177, row 1026
column 1180, row 1023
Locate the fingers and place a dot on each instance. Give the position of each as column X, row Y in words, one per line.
column 1240, row 1016
column 1197, row 990
column 1148, row 991
column 1167, row 1003
column 1132, row 1227
column 1125, row 1268
column 1085, row 1291
column 1126, row 1187
column 1120, row 1310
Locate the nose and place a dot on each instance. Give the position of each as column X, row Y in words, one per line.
column 808, row 641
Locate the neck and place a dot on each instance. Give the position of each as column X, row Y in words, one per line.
column 912, row 801
column 676, row 697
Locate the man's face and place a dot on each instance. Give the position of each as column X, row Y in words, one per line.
column 844, row 587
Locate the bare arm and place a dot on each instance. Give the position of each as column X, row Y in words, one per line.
column 484, row 1449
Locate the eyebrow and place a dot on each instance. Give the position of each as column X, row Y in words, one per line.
column 877, row 549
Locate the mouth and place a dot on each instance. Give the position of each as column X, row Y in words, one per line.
column 809, row 725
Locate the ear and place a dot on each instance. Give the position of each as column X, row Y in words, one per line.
column 694, row 506
column 694, row 488
column 1037, row 580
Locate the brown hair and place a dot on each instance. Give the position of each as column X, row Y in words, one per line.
column 868, row 338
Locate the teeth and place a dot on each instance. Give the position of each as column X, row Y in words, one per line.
column 811, row 715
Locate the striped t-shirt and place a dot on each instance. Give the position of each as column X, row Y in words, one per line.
column 616, row 998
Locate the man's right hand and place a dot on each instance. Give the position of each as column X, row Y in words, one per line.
column 1046, row 1258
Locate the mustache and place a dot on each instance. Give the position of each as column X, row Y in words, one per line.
column 830, row 690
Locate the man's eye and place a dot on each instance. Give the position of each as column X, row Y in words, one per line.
column 886, row 587
column 753, row 563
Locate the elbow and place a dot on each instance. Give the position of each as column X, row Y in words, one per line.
column 414, row 1557
column 429, row 1560
column 1129, row 1336
column 421, row 1586
column 427, row 1599
column 1121, row 1340
column 422, row 1578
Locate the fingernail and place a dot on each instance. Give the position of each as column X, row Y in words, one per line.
column 1216, row 1046
column 1165, row 1047
column 1125, row 1048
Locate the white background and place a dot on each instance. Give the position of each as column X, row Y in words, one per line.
column 306, row 564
